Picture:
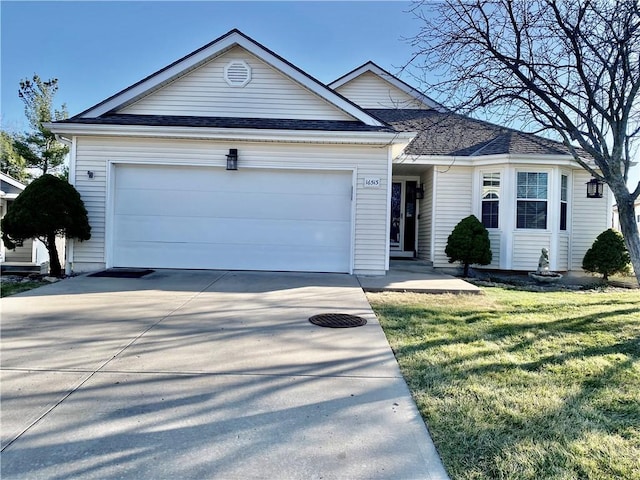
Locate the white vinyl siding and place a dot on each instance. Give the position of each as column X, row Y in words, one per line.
column 95, row 153
column 563, row 253
column 527, row 247
column 89, row 255
column 512, row 248
column 589, row 217
column 453, row 203
column 370, row 91
column 425, row 222
column 204, row 92
column 21, row 253
column 495, row 238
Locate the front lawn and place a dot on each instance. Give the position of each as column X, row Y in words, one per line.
column 11, row 288
column 523, row 385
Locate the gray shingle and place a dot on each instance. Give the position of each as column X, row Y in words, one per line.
column 453, row 134
column 229, row 122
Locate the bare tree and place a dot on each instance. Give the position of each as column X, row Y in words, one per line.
column 570, row 66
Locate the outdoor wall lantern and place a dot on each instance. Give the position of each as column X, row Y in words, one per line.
column 420, row 192
column 89, row 174
column 232, row 159
column 595, row 188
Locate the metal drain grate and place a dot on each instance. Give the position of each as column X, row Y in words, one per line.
column 337, row 320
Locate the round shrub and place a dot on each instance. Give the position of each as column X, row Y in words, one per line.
column 608, row 255
column 469, row 244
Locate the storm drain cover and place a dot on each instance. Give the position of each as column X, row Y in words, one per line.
column 337, row 320
column 122, row 273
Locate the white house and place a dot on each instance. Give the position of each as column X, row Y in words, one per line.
column 615, row 220
column 31, row 251
column 233, row 158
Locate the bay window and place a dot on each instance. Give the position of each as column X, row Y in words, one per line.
column 531, row 209
column 490, row 199
column 564, row 196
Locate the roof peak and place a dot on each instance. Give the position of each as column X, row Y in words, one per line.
column 372, row 67
column 213, row 49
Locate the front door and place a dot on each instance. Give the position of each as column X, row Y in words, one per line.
column 402, row 231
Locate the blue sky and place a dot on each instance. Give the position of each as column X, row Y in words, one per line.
column 97, row 48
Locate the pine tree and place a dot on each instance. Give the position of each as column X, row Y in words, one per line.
column 607, row 255
column 469, row 244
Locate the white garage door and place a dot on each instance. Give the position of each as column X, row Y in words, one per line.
column 249, row 219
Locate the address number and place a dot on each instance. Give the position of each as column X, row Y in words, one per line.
column 370, row 182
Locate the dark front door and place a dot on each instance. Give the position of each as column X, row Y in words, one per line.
column 404, row 214
column 410, row 216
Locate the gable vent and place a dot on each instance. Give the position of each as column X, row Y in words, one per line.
column 237, row 73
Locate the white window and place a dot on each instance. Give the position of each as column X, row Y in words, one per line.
column 490, row 199
column 564, row 200
column 531, row 210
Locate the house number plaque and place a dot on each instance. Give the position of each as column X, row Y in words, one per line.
column 372, row 182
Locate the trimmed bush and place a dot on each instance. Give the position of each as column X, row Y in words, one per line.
column 608, row 255
column 469, row 244
column 49, row 206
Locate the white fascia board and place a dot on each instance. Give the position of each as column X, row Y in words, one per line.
column 485, row 160
column 387, row 77
column 238, row 134
column 12, row 181
column 201, row 56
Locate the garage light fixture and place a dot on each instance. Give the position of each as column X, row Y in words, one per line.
column 232, row 159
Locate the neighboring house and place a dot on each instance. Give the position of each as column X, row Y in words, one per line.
column 31, row 251
column 615, row 220
column 334, row 178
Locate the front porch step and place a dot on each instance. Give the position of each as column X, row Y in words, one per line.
column 399, row 254
column 19, row 268
column 410, row 265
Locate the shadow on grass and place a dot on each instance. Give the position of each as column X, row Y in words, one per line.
column 508, row 394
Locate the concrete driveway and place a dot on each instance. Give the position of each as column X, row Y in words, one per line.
column 204, row 374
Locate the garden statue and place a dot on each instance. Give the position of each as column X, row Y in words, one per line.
column 543, row 262
column 543, row 274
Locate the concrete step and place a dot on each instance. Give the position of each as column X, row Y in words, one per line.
column 19, row 268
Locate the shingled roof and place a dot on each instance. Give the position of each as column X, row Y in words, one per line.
column 229, row 122
column 446, row 133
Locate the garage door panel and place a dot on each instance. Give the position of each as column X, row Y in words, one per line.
column 142, row 177
column 214, row 204
column 294, row 207
column 233, row 257
column 229, row 230
column 185, row 217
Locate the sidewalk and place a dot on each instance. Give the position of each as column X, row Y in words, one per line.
column 415, row 276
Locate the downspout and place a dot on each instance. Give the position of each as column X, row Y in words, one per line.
column 64, row 140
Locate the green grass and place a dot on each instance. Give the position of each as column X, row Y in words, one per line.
column 9, row 288
column 523, row 385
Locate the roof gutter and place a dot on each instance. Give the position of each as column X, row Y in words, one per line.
column 480, row 160
column 65, row 140
column 235, row 134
